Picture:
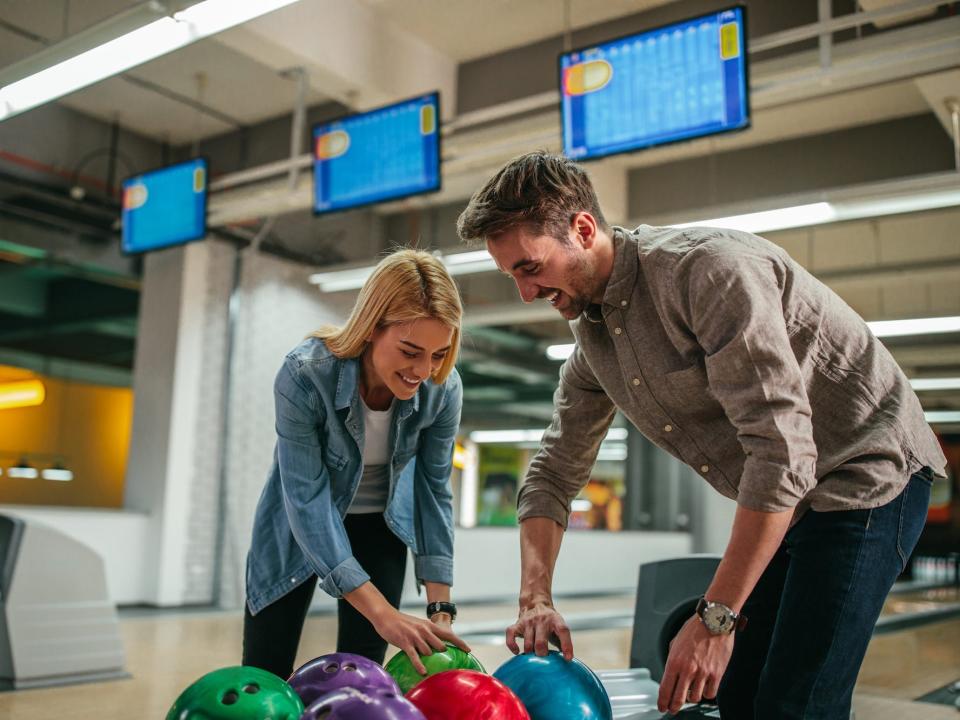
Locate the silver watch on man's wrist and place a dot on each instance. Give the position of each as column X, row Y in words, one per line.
column 718, row 618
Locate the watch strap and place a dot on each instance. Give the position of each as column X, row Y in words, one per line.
column 442, row 607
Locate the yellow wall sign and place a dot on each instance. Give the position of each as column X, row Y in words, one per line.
column 729, row 41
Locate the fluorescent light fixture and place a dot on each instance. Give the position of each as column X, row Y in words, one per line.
column 942, row 416
column 560, row 352
column 22, row 393
column 465, row 263
column 768, row 220
column 483, row 437
column 129, row 50
column 918, row 326
column 57, row 473
column 920, row 384
column 23, row 472
column 880, row 328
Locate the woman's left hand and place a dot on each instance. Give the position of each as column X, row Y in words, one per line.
column 442, row 619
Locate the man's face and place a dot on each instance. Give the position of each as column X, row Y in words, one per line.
column 545, row 268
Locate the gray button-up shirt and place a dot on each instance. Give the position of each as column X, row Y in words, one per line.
column 730, row 356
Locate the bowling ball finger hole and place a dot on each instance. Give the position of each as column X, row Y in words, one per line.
column 230, row 697
column 251, row 689
column 325, row 713
column 331, row 668
column 349, row 667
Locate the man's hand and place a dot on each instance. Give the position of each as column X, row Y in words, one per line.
column 539, row 625
column 695, row 666
column 416, row 636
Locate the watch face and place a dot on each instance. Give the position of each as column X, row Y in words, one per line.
column 718, row 619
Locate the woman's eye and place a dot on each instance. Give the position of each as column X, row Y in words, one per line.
column 409, row 354
column 439, row 358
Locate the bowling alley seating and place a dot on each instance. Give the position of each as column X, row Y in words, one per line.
column 57, row 624
column 667, row 595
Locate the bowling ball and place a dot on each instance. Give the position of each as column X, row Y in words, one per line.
column 237, row 693
column 349, row 703
column 551, row 687
column 467, row 695
column 339, row 670
column 453, row 658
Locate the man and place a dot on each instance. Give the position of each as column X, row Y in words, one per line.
column 730, row 356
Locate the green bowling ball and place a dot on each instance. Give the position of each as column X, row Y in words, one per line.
column 453, row 658
column 237, row 693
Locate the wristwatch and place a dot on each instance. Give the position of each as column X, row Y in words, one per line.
column 442, row 607
column 718, row 618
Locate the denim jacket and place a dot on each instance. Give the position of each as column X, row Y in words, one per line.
column 298, row 530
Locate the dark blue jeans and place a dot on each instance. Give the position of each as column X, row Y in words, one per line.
column 812, row 613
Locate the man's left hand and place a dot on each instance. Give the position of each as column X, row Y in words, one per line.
column 695, row 666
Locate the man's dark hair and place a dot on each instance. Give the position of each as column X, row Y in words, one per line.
column 537, row 191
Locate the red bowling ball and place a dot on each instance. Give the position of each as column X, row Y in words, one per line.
column 466, row 695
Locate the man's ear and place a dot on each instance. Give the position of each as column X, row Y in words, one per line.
column 584, row 227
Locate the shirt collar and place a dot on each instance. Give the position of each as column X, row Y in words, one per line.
column 623, row 277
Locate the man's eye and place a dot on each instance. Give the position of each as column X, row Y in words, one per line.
column 532, row 269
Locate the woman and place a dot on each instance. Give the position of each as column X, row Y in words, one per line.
column 366, row 417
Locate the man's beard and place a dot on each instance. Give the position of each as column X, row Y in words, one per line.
column 581, row 277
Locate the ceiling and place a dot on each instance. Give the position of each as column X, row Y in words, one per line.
column 377, row 51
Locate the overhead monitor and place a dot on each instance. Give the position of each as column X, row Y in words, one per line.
column 676, row 82
column 165, row 207
column 379, row 155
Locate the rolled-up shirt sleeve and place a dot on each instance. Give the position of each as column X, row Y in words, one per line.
column 734, row 306
column 582, row 413
column 314, row 520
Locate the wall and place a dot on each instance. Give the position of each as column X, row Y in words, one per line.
column 87, row 426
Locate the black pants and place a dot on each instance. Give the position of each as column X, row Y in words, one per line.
column 813, row 611
column 271, row 637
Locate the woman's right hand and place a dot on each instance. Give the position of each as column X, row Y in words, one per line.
column 415, row 636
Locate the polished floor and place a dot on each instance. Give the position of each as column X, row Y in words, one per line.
column 167, row 651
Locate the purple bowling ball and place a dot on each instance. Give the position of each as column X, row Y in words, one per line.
column 339, row 670
column 352, row 704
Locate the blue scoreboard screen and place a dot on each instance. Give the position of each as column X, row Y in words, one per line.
column 165, row 207
column 382, row 154
column 676, row 82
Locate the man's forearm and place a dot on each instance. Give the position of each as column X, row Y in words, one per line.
column 540, row 540
column 753, row 542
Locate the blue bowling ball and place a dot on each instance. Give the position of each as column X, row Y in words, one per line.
column 551, row 687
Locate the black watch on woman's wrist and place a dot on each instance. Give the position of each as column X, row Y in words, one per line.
column 442, row 607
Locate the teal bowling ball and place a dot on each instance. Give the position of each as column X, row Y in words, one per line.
column 551, row 687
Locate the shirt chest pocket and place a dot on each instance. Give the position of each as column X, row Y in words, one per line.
column 334, row 461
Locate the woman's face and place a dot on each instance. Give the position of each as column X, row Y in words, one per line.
column 402, row 356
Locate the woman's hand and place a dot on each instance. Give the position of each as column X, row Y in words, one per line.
column 416, row 636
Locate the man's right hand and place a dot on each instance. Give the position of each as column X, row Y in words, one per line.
column 415, row 636
column 540, row 624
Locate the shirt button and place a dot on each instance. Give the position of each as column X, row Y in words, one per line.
column 636, row 381
column 623, row 303
column 704, row 468
column 293, row 580
column 617, row 330
column 668, row 428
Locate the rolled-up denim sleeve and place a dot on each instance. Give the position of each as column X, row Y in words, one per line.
column 734, row 304
column 433, row 496
column 582, row 413
column 314, row 520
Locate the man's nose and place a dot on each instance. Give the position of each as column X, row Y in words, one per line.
column 528, row 291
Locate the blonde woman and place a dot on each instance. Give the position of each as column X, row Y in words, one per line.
column 366, row 417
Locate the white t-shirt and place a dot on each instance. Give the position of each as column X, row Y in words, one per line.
column 374, row 486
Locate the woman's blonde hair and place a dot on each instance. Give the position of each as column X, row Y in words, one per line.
column 406, row 285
